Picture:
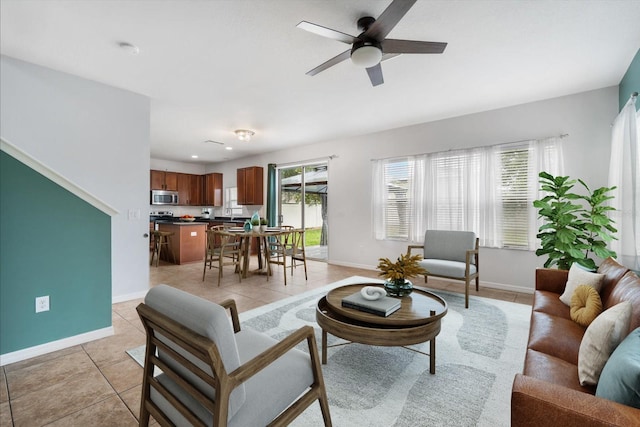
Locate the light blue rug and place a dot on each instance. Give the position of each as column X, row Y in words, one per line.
column 479, row 350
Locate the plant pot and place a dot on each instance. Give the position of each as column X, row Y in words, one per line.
column 398, row 288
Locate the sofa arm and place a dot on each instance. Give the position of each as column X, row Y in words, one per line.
column 551, row 279
column 539, row 403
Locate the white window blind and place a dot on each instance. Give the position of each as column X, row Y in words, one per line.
column 488, row 190
column 515, row 197
column 395, row 197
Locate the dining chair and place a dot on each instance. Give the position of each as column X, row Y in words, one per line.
column 202, row 369
column 296, row 250
column 222, row 249
column 278, row 248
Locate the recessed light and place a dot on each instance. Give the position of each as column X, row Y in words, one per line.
column 129, row 48
column 228, row 148
column 195, row 156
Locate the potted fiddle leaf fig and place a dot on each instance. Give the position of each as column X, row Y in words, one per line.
column 576, row 226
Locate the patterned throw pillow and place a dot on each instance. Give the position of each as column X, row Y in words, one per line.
column 577, row 277
column 585, row 305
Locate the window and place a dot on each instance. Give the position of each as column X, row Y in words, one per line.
column 488, row 190
column 397, row 176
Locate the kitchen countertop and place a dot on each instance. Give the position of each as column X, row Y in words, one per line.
column 186, row 223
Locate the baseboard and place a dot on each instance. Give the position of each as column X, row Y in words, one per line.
column 39, row 350
column 492, row 285
column 128, row 297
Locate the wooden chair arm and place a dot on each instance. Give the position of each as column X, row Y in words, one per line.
column 267, row 357
column 231, row 306
column 410, row 247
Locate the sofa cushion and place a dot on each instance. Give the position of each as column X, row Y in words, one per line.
column 600, row 339
column 549, row 303
column 439, row 267
column 551, row 369
column 613, row 272
column 627, row 289
column 620, row 378
column 577, row 277
column 585, row 305
column 555, row 336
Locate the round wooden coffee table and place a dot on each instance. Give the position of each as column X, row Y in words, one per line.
column 417, row 321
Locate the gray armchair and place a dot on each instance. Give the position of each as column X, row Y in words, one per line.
column 451, row 255
column 215, row 374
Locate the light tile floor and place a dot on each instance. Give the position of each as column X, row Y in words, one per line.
column 98, row 384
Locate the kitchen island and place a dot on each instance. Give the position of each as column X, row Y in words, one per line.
column 187, row 242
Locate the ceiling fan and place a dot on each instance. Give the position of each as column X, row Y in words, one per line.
column 371, row 46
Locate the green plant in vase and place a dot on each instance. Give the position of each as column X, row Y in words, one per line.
column 263, row 224
column 397, row 273
column 573, row 231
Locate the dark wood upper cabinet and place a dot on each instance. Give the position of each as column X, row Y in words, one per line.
column 213, row 189
column 162, row 180
column 250, row 185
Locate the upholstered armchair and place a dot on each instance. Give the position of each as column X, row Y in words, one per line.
column 451, row 255
column 215, row 374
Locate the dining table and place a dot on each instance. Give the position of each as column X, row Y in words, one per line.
column 261, row 238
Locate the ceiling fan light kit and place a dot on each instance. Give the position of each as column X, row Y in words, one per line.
column 372, row 46
column 366, row 54
column 244, row 134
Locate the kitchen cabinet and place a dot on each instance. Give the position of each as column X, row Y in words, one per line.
column 162, row 180
column 190, row 189
column 213, row 189
column 250, row 183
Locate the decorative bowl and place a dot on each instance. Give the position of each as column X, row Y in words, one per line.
column 187, row 219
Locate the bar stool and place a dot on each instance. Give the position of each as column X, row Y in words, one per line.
column 160, row 239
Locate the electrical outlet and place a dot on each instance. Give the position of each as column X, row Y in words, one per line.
column 42, row 304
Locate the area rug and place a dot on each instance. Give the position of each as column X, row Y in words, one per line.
column 479, row 350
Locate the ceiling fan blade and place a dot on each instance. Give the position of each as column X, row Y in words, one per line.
column 386, row 56
column 326, row 32
column 375, row 75
column 412, row 46
column 389, row 19
column 330, row 63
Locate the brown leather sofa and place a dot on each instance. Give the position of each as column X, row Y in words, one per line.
column 548, row 392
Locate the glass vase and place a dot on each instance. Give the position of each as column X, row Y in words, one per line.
column 398, row 287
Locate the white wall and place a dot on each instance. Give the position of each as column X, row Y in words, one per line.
column 586, row 117
column 96, row 136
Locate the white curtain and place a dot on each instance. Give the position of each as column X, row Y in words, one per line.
column 465, row 190
column 547, row 155
column 624, row 173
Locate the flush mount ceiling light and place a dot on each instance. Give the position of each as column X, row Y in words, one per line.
column 228, row 148
column 244, row 134
column 129, row 48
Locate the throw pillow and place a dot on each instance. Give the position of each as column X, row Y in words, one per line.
column 585, row 305
column 600, row 339
column 577, row 277
column 620, row 378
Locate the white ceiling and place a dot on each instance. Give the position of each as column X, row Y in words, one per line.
column 210, row 67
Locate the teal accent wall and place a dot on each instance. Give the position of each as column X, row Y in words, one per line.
column 630, row 82
column 51, row 243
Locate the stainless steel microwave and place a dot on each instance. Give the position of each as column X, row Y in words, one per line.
column 164, row 197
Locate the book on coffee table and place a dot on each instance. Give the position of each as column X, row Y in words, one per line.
column 382, row 307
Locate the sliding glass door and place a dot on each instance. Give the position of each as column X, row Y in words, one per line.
column 302, row 203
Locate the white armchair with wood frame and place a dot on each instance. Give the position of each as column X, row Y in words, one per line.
column 215, row 374
column 451, row 255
